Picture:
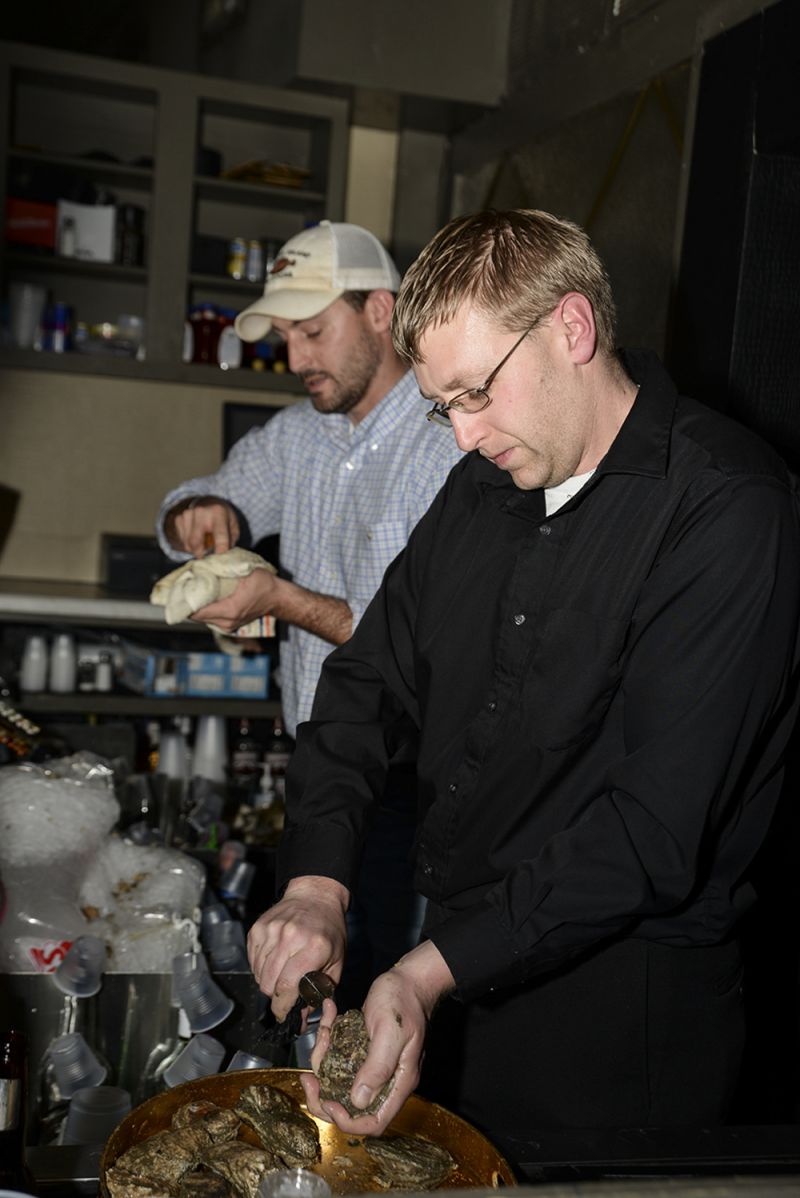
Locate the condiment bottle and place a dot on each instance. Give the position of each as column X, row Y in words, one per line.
column 13, row 1062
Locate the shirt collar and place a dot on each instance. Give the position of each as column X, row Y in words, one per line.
column 402, row 403
column 642, row 444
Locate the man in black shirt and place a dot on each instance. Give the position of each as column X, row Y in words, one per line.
column 595, row 628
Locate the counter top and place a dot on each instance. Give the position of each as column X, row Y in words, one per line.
column 37, row 600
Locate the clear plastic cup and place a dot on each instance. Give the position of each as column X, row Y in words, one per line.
column 198, row 994
column 172, row 756
column 93, row 1114
column 201, row 1056
column 74, row 1064
column 246, row 1060
column 81, row 971
column 293, row 1183
column 226, row 946
column 183, row 965
column 210, row 916
column 210, row 748
column 235, row 883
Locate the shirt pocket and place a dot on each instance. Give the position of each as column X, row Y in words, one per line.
column 376, row 546
column 572, row 677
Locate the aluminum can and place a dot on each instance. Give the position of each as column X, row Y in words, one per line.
column 60, row 329
column 237, row 258
column 255, row 262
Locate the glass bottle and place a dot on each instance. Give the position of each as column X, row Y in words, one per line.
column 277, row 756
column 245, row 753
column 13, row 1065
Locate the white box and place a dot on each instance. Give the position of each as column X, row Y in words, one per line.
column 95, row 226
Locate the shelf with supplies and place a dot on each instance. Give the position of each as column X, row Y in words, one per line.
column 178, row 164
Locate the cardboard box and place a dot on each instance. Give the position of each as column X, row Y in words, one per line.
column 29, row 222
column 95, row 227
column 195, row 675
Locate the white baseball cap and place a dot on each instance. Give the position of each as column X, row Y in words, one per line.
column 312, row 270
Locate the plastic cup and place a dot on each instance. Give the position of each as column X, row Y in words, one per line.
column 246, row 1060
column 235, row 883
column 81, row 971
column 172, row 758
column 226, row 946
column 93, row 1114
column 183, row 965
column 210, row 917
column 210, row 748
column 26, row 304
column 201, row 1056
column 74, row 1064
column 293, row 1183
column 201, row 998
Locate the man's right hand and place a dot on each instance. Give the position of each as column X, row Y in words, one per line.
column 303, row 932
column 190, row 524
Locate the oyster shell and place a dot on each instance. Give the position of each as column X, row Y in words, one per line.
column 241, row 1165
column 408, row 1162
column 280, row 1124
column 346, row 1054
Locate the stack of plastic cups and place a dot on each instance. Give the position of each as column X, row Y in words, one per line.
column 81, row 971
column 236, row 881
column 201, row 1056
column 74, row 1064
column 210, row 916
column 227, row 948
column 196, row 992
column 210, row 748
column 94, row 1113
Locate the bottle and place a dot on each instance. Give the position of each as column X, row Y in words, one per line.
column 13, row 1061
column 245, row 753
column 277, row 756
column 33, row 673
column 63, row 664
column 68, row 238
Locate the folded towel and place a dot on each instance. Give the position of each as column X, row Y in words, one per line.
column 204, row 580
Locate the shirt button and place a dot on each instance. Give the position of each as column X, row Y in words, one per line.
column 452, row 788
column 545, row 530
column 492, row 705
column 427, row 870
column 519, row 618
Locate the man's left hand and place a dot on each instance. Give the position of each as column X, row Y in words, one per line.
column 396, row 1011
column 254, row 596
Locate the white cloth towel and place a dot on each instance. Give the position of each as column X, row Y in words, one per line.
column 204, row 580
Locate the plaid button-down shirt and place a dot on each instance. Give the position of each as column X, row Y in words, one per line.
column 343, row 498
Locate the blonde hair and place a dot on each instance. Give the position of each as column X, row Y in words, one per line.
column 514, row 265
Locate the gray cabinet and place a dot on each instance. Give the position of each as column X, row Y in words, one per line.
column 156, row 142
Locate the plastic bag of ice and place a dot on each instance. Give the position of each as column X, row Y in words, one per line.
column 52, row 821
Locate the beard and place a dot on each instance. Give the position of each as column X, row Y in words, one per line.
column 348, row 386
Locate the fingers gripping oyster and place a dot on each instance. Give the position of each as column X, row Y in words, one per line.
column 280, row 1124
column 346, row 1054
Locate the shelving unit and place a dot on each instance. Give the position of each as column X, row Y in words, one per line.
column 143, row 135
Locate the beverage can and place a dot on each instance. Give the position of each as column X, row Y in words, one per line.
column 237, row 258
column 255, row 262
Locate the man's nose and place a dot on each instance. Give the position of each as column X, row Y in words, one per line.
column 467, row 428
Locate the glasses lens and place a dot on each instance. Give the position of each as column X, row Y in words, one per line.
column 436, row 416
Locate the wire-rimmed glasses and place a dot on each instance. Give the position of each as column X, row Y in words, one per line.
column 474, row 399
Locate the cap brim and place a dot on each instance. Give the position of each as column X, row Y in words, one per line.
column 256, row 321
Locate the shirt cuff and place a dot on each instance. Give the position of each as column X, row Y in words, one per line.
column 479, row 952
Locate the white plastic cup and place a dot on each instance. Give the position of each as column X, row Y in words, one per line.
column 74, row 1064
column 172, row 756
column 63, row 664
column 204, row 1003
column 93, row 1114
column 226, row 946
column 293, row 1183
column 210, row 748
column 246, row 1060
column 81, row 971
column 201, row 1057
column 26, row 305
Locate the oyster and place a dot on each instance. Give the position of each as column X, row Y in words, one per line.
column 408, row 1162
column 280, row 1124
column 241, row 1165
column 191, row 1111
column 345, row 1056
column 162, row 1159
column 200, row 1184
column 124, row 1185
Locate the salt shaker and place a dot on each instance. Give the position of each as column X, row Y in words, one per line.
column 63, row 664
column 33, row 672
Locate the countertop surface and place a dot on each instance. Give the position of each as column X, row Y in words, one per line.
column 38, row 600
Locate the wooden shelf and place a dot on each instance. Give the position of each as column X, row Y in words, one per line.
column 243, row 287
column 120, row 173
column 229, row 191
column 111, row 272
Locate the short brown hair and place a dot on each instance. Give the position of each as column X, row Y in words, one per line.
column 514, row 265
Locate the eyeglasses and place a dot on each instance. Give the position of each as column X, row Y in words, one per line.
column 475, row 399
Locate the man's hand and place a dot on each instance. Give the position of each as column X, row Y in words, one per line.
column 254, row 596
column 187, row 525
column 302, row 932
column 397, row 1010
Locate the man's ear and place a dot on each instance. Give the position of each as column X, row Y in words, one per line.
column 578, row 325
column 378, row 310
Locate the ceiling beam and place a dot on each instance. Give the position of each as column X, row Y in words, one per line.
column 566, row 84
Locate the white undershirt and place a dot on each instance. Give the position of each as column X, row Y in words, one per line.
column 556, row 497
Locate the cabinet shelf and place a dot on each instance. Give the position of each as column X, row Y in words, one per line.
column 256, row 193
column 92, row 703
column 243, row 287
column 119, row 173
column 108, row 271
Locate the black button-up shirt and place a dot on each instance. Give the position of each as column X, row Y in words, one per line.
column 603, row 697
